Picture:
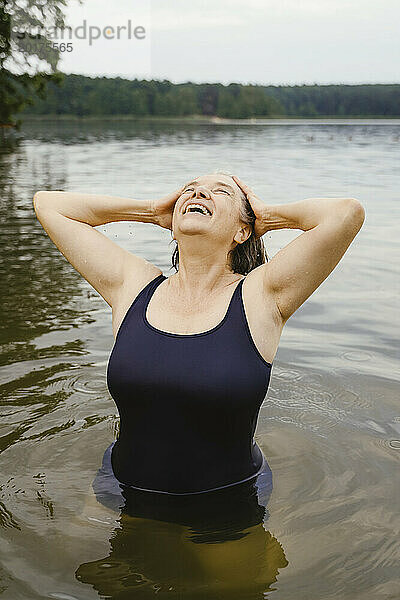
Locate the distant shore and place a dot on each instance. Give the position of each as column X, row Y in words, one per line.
column 194, row 119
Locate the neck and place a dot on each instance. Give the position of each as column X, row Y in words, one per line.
column 202, row 272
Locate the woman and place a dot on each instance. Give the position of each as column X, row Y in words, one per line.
column 193, row 352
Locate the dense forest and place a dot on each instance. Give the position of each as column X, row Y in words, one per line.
column 97, row 96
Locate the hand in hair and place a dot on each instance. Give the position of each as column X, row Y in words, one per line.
column 163, row 209
column 260, row 209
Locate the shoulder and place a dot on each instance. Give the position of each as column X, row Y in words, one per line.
column 134, row 283
column 136, row 280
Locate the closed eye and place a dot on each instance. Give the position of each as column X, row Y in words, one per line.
column 217, row 190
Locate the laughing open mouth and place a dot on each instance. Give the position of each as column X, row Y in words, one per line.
column 197, row 208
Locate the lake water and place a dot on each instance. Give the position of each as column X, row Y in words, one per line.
column 329, row 425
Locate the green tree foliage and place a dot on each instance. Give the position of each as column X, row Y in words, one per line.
column 80, row 95
column 380, row 100
column 97, row 96
column 24, row 44
column 236, row 101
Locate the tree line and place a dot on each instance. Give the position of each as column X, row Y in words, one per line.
column 82, row 96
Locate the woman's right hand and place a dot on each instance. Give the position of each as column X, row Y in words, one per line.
column 164, row 208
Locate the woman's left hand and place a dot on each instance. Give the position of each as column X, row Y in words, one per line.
column 262, row 224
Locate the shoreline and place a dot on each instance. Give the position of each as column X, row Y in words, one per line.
column 200, row 119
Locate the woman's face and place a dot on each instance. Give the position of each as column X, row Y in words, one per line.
column 220, row 196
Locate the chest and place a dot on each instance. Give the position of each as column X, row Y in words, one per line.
column 215, row 371
column 260, row 318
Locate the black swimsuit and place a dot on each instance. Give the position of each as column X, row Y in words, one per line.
column 188, row 404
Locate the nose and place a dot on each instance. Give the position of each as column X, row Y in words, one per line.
column 202, row 192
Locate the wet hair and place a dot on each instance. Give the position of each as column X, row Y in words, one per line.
column 244, row 257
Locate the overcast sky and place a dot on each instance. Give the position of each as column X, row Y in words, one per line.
column 248, row 41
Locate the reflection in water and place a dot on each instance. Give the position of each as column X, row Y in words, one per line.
column 197, row 543
column 38, row 287
column 201, row 544
column 40, row 293
column 149, row 556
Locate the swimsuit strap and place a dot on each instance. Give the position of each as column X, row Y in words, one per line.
column 151, row 287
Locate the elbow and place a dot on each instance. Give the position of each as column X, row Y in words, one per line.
column 358, row 211
column 354, row 214
column 355, row 211
column 39, row 198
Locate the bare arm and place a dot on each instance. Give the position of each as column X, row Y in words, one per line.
column 296, row 271
column 69, row 219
